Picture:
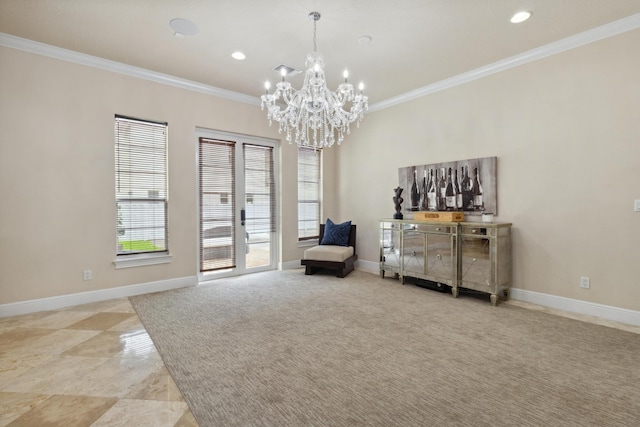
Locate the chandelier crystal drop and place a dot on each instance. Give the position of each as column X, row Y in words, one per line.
column 314, row 116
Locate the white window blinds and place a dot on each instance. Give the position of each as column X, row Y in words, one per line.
column 141, row 186
column 309, row 192
column 260, row 197
column 217, row 204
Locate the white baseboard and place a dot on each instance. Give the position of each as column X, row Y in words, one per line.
column 368, row 266
column 289, row 265
column 616, row 314
column 608, row 312
column 57, row 302
column 569, row 305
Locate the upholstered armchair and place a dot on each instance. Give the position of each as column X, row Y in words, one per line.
column 336, row 252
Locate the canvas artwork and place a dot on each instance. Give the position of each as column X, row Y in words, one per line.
column 462, row 185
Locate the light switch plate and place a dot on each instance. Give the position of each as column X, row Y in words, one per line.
column 636, row 206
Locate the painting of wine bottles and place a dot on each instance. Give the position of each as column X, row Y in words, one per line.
column 463, row 185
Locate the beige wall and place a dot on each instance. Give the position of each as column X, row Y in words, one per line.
column 57, row 175
column 566, row 131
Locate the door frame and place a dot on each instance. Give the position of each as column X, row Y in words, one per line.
column 239, row 140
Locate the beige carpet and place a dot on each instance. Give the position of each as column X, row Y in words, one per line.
column 285, row 349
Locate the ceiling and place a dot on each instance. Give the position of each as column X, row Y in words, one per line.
column 414, row 43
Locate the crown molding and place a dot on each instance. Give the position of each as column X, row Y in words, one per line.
column 104, row 64
column 629, row 23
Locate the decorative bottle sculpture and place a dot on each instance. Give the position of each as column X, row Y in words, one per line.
column 397, row 199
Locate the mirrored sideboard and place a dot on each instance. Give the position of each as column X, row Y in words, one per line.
column 470, row 255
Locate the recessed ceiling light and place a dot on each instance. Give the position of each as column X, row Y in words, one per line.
column 364, row 39
column 183, row 27
column 521, row 17
column 238, row 55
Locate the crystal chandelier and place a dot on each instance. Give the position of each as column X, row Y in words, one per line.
column 317, row 115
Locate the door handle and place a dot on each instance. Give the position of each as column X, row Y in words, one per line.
column 243, row 216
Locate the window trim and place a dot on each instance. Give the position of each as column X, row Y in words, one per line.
column 210, row 151
column 139, row 258
column 310, row 240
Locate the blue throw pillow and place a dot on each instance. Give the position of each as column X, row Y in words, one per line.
column 336, row 234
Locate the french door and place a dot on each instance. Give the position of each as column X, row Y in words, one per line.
column 237, row 203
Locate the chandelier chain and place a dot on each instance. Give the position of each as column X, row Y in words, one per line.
column 315, row 40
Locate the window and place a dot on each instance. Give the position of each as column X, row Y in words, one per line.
column 309, row 193
column 141, row 186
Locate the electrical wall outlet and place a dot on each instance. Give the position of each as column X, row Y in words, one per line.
column 636, row 205
column 87, row 275
column 585, row 282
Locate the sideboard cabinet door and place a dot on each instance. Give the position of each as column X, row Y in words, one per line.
column 390, row 246
column 414, row 242
column 485, row 258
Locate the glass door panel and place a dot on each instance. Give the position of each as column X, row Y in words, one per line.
column 217, row 205
column 259, row 204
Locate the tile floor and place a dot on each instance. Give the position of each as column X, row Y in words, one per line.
column 87, row 365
